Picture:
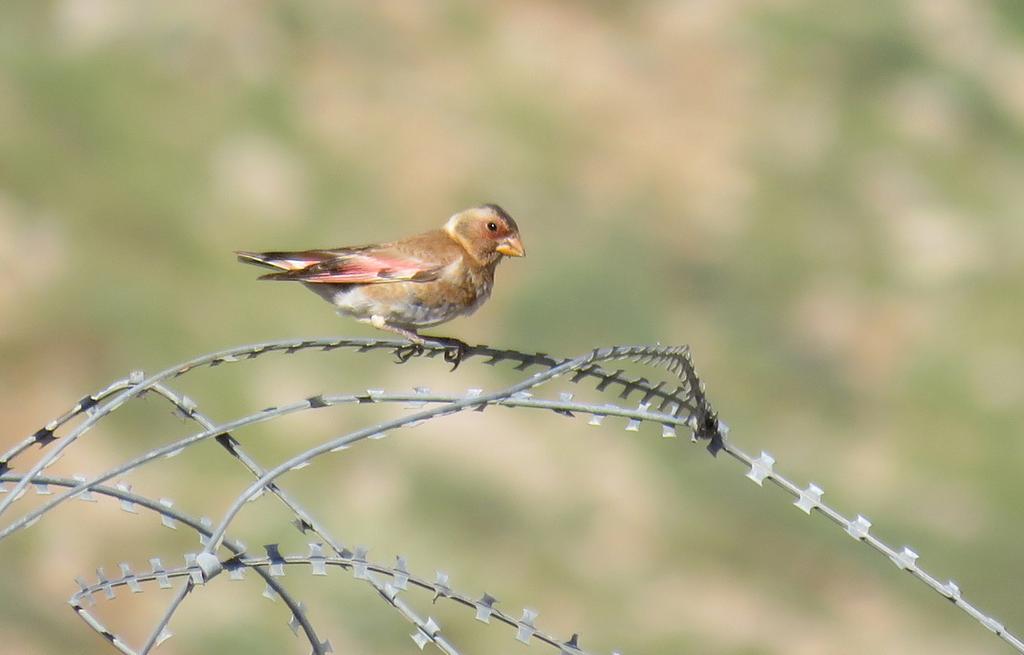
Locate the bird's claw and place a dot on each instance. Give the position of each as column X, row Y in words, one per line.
column 454, row 353
column 405, row 353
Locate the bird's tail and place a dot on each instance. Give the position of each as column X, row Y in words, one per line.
column 284, row 261
column 265, row 259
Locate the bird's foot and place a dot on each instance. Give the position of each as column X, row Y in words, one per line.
column 454, row 351
column 405, row 353
column 454, row 354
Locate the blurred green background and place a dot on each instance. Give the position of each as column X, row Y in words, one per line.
column 824, row 199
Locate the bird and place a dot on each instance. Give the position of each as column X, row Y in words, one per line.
column 413, row 283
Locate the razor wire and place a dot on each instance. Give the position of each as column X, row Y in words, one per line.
column 679, row 402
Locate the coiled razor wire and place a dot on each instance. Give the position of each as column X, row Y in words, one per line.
column 673, row 403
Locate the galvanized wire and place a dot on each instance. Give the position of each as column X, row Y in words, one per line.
column 676, row 402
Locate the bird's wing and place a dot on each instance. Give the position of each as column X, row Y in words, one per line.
column 363, row 265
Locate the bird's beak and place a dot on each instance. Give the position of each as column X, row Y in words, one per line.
column 512, row 247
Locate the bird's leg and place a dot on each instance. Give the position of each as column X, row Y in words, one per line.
column 403, row 353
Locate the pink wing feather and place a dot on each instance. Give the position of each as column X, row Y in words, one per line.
column 356, row 266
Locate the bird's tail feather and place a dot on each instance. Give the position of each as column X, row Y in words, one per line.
column 265, row 259
column 283, row 260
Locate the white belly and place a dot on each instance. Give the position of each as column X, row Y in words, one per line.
column 355, row 302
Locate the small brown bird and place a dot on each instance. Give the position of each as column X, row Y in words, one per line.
column 413, row 283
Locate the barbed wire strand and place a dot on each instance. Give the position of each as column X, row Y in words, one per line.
column 164, row 508
column 689, row 394
column 187, row 407
column 440, row 589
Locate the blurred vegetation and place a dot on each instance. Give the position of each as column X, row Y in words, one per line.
column 823, row 199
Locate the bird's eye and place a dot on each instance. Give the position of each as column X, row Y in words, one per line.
column 492, row 226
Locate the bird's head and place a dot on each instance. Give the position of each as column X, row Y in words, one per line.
column 486, row 232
